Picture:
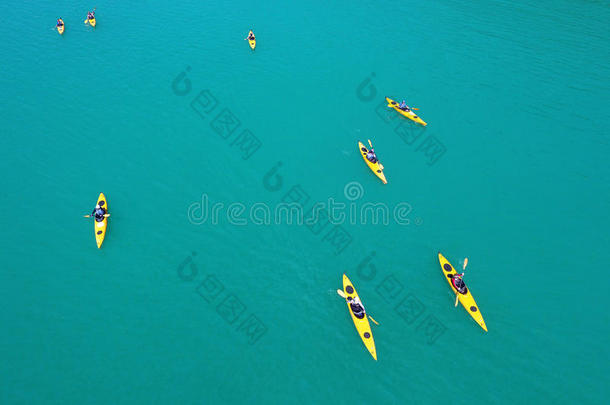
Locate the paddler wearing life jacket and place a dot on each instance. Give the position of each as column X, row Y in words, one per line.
column 90, row 15
column 371, row 156
column 403, row 106
column 357, row 307
column 458, row 283
column 98, row 213
column 59, row 22
column 251, row 36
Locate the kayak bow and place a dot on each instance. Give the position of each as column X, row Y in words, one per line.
column 375, row 167
column 466, row 299
column 362, row 325
column 409, row 114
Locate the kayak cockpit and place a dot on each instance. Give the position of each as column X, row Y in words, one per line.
column 357, row 310
column 370, row 155
column 459, row 285
column 356, row 307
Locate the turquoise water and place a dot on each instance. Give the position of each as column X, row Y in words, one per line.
column 511, row 172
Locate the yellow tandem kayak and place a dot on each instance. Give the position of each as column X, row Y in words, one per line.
column 466, row 299
column 377, row 168
column 100, row 227
column 362, row 324
column 409, row 114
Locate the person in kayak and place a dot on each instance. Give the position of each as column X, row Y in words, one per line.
column 403, row 106
column 90, row 15
column 356, row 307
column 371, row 156
column 98, row 213
column 251, row 36
column 59, row 22
column 458, row 283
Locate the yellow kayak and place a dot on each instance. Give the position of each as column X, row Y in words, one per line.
column 62, row 27
column 466, row 299
column 100, row 227
column 409, row 114
column 362, row 324
column 377, row 168
column 252, row 42
column 92, row 22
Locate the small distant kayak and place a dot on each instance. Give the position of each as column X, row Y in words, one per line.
column 62, row 27
column 409, row 114
column 92, row 22
column 100, row 227
column 252, row 42
column 362, row 324
column 465, row 298
column 376, row 168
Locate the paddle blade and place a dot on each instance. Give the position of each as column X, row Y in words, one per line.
column 457, row 298
column 465, row 264
column 340, row 292
column 86, row 216
column 374, row 321
column 370, row 144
